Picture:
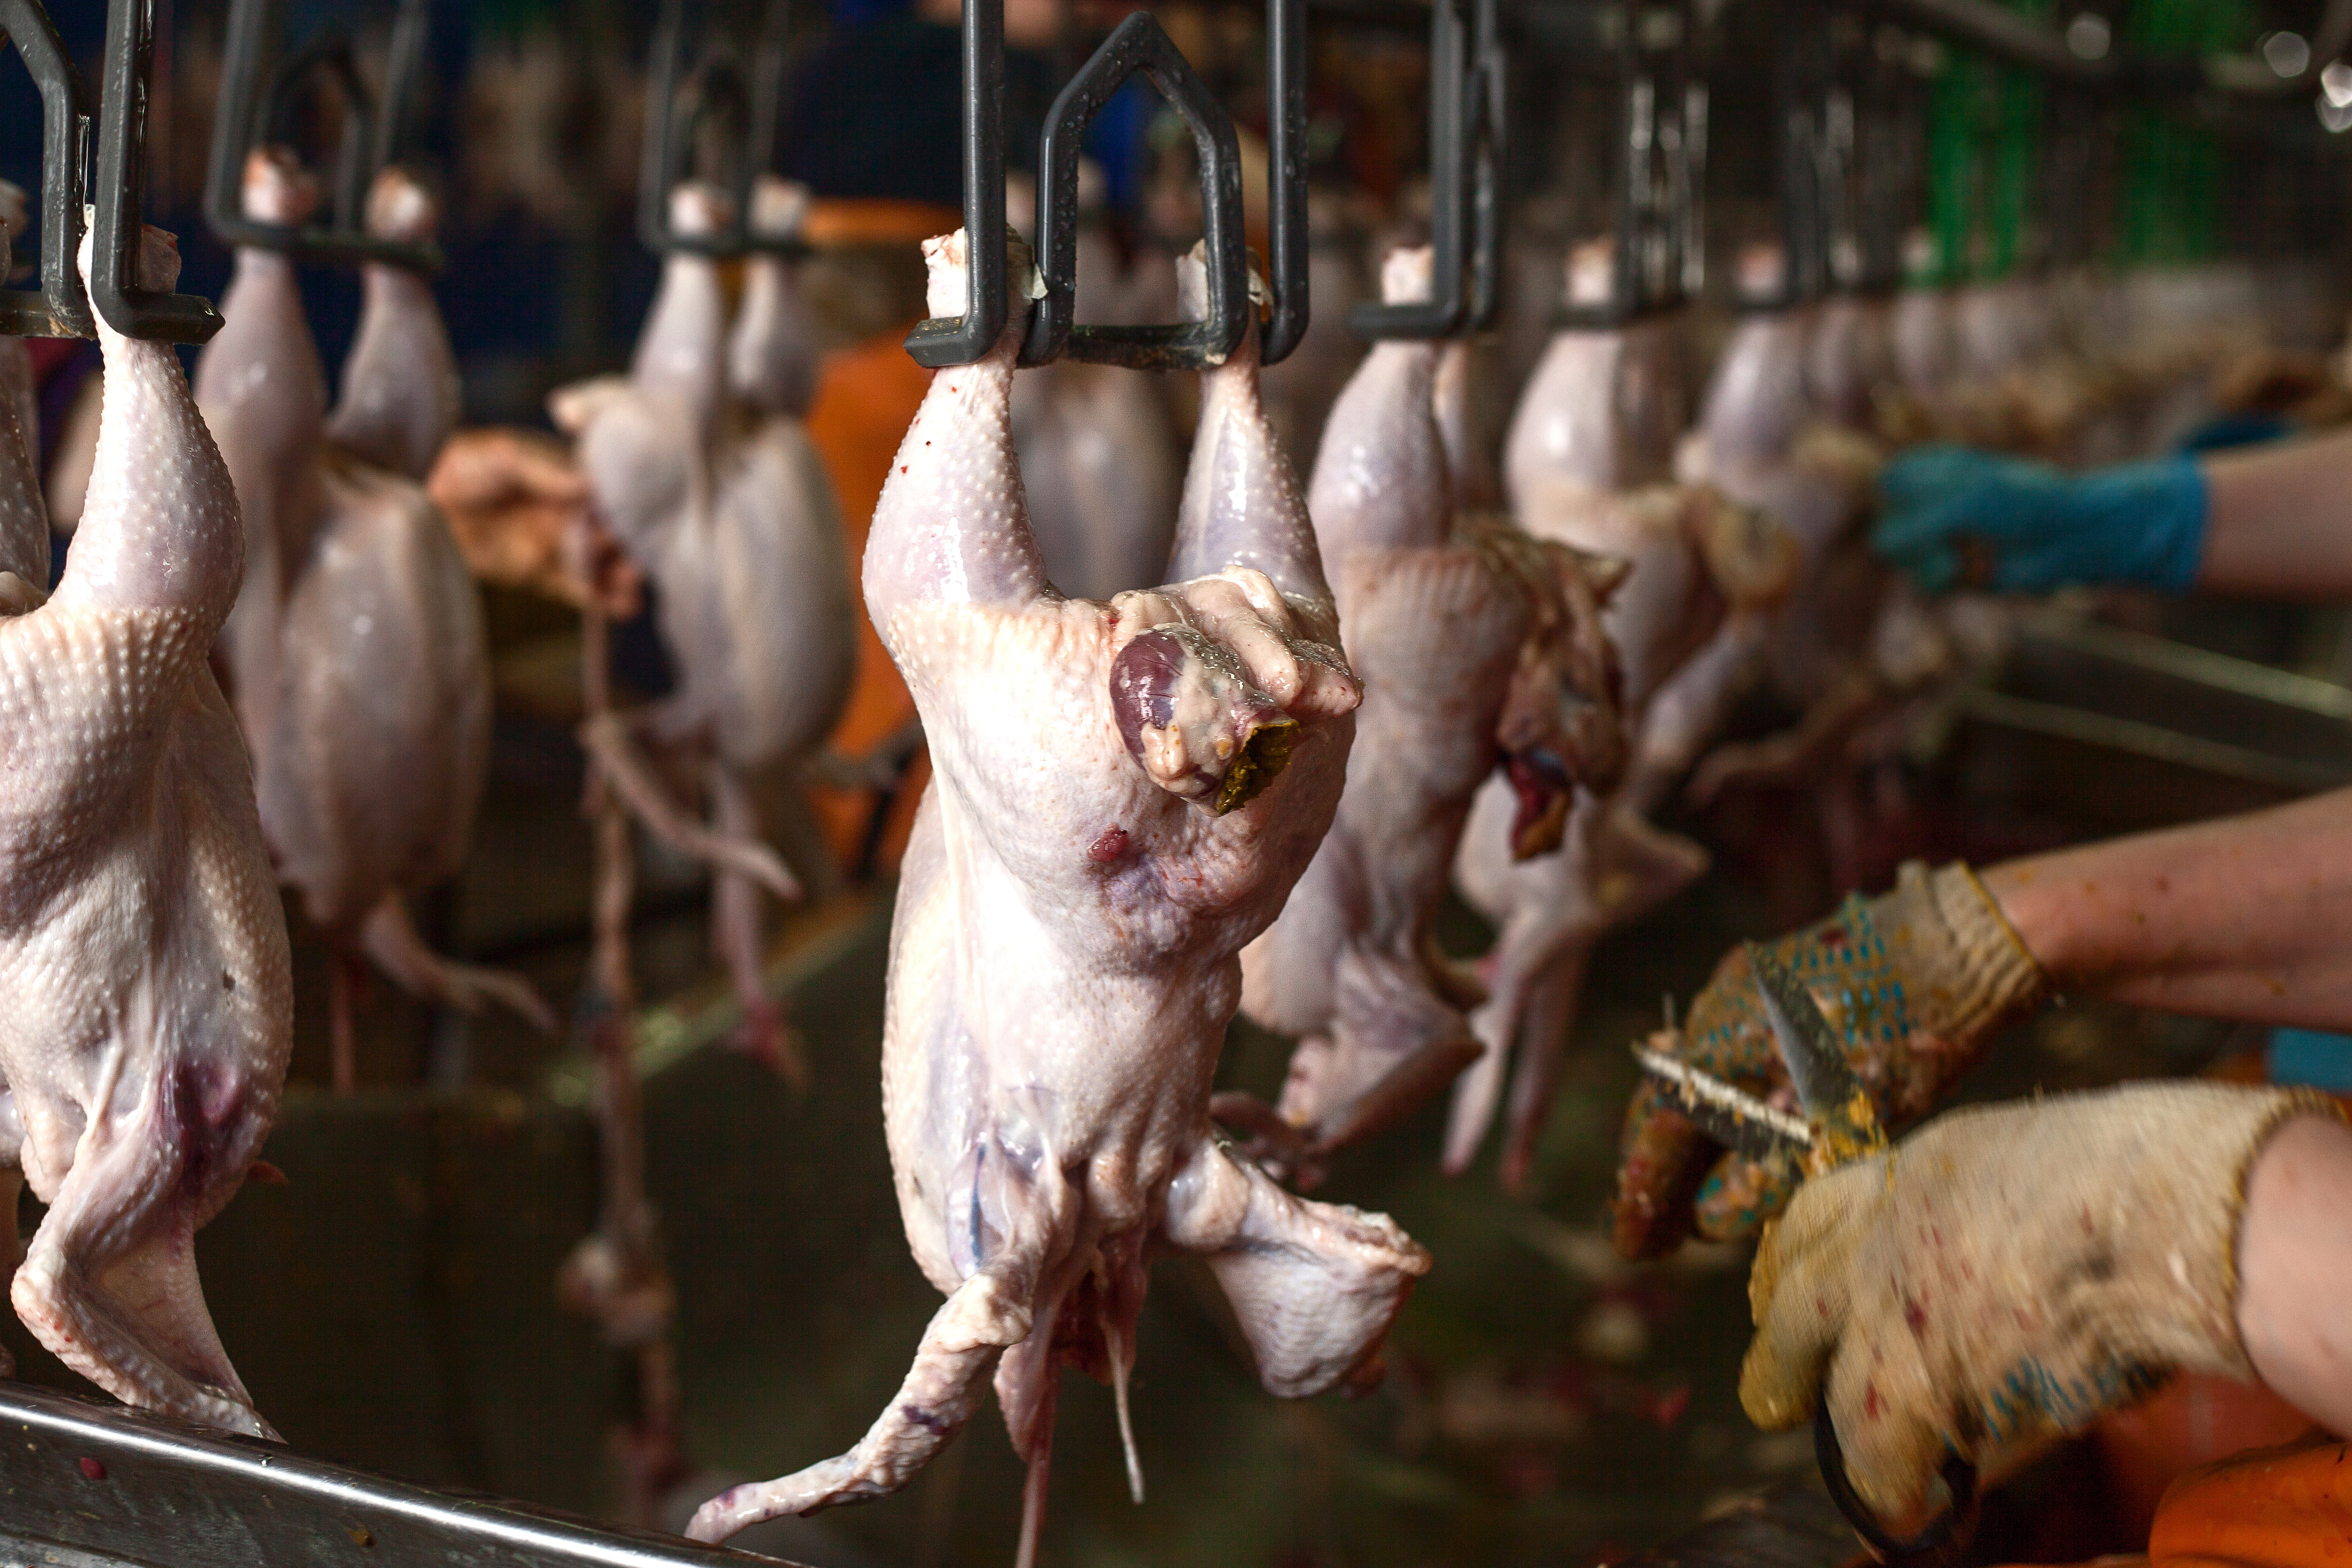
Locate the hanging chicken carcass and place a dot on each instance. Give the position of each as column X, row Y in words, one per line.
column 717, row 493
column 1124, row 793
column 361, row 661
column 1589, row 460
column 149, row 1015
column 1478, row 646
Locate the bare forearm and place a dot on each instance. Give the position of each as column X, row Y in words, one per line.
column 2295, row 1268
column 2242, row 918
column 2275, row 527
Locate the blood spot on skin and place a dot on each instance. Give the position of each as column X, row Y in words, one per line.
column 902, row 467
column 1110, row 846
column 1870, row 1403
column 927, row 1421
column 1914, row 1317
column 92, row 1470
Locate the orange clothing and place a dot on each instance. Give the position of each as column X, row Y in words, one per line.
column 2279, row 1508
column 865, row 398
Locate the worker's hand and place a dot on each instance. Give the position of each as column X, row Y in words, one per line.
column 1958, row 518
column 2003, row 1276
column 1917, row 980
column 515, row 502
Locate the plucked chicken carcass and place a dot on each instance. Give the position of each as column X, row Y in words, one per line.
column 150, row 1012
column 1477, row 645
column 702, row 467
column 1757, row 443
column 358, row 651
column 1123, row 795
column 1590, row 449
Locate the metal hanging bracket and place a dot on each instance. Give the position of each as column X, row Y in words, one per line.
column 58, row 309
column 120, row 180
column 1465, row 150
column 1661, row 137
column 1138, row 44
column 252, row 106
column 939, row 342
column 677, row 101
column 771, row 73
column 1802, row 78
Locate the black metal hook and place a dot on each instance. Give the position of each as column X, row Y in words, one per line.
column 1466, row 143
column 121, row 181
column 1285, row 157
column 1801, row 71
column 1661, row 146
column 677, row 101
column 939, row 341
column 328, row 50
column 374, row 124
column 1139, row 44
column 58, row 308
column 771, row 72
column 1886, row 183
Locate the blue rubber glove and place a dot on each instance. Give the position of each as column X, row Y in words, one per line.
column 1959, row 517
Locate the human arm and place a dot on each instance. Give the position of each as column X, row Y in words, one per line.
column 2254, row 522
column 2240, row 918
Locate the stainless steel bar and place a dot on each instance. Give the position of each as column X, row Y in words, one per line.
column 89, row 1486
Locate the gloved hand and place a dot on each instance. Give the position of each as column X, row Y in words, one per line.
column 2006, row 1274
column 1918, row 979
column 1958, row 518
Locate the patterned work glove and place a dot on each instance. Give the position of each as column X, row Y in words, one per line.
column 2005, row 1275
column 1918, row 979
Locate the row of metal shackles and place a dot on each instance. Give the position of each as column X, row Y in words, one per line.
column 1466, row 154
column 258, row 96
column 113, row 186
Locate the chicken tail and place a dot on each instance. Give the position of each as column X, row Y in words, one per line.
column 607, row 742
column 390, row 938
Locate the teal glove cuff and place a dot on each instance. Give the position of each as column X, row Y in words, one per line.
column 1958, row 518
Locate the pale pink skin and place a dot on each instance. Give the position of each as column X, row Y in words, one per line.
column 1349, row 967
column 703, row 470
column 1591, row 439
column 1064, row 958
column 1098, row 454
column 361, row 661
column 141, row 943
column 400, row 395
